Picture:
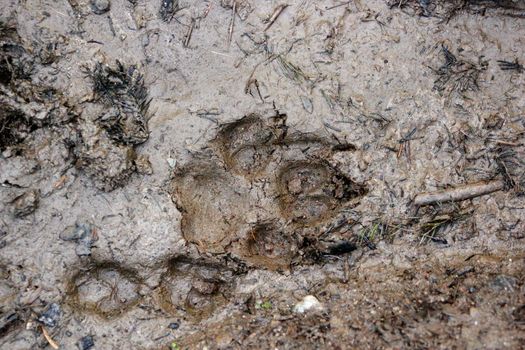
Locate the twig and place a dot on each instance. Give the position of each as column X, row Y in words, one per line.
column 276, row 13
column 339, row 5
column 50, row 340
column 230, row 32
column 459, row 193
column 189, row 33
column 208, row 9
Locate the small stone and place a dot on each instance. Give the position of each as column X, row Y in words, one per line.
column 100, row 6
column 171, row 162
column 83, row 234
column 309, row 303
column 51, row 316
column 86, row 343
column 73, row 233
column 7, row 153
column 173, row 325
column 26, row 203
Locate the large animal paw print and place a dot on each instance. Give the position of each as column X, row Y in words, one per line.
column 258, row 189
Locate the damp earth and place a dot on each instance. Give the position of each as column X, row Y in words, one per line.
column 232, row 174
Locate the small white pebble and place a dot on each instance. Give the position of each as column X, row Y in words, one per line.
column 308, row 303
column 171, row 162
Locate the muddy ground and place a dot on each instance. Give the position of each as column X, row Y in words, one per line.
column 181, row 174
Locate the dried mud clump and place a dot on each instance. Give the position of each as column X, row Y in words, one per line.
column 260, row 191
column 105, row 150
column 194, row 288
column 109, row 165
column 25, row 106
column 105, row 289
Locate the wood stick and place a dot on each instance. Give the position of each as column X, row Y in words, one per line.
column 50, row 340
column 189, row 33
column 459, row 193
column 276, row 13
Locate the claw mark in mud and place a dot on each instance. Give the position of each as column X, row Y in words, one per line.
column 258, row 188
column 193, row 287
column 105, row 289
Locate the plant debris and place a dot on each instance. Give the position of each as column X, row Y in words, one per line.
column 446, row 9
column 122, row 91
column 457, row 75
column 506, row 65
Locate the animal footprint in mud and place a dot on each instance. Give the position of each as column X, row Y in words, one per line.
column 258, row 188
column 105, row 289
column 194, row 288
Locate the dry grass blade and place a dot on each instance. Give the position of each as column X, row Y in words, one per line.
column 292, row 71
column 506, row 65
column 431, row 229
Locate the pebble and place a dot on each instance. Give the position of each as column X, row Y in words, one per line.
column 100, row 6
column 73, row 233
column 86, row 343
column 83, row 235
column 309, row 303
column 51, row 316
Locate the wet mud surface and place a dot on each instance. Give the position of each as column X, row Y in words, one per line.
column 185, row 174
